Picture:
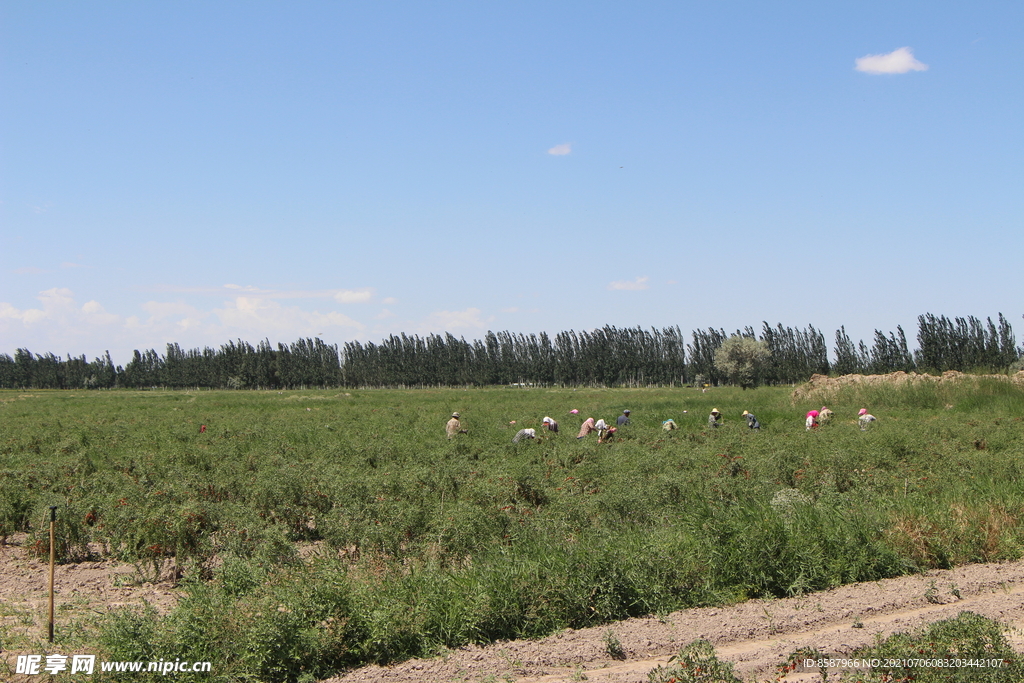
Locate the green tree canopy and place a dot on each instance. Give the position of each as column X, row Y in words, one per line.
column 742, row 360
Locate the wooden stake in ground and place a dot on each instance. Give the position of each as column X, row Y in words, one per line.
column 53, row 521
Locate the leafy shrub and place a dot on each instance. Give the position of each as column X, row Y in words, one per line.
column 966, row 637
column 15, row 504
column 695, row 663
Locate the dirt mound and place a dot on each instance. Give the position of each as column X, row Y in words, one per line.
column 822, row 388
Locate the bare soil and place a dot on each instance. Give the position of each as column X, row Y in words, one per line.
column 83, row 593
column 757, row 635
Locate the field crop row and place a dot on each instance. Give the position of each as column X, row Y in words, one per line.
column 318, row 530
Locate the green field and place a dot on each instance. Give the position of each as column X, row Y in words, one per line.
column 320, row 530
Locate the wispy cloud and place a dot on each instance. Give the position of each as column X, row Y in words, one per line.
column 896, row 62
column 59, row 323
column 561, row 150
column 342, row 296
column 57, row 306
column 162, row 310
column 632, row 286
column 262, row 316
column 449, row 321
column 353, row 296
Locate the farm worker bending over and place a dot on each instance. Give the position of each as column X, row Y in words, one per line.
column 602, row 428
column 669, row 425
column 607, row 435
column 587, row 427
column 715, row 419
column 824, row 415
column 751, row 420
column 454, row 426
column 865, row 419
column 524, row 434
column 622, row 420
column 552, row 425
column 812, row 419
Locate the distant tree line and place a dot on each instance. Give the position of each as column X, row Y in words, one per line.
column 608, row 356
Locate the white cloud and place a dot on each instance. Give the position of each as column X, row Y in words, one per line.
column 95, row 314
column 513, row 309
column 59, row 323
column 384, row 314
column 342, row 296
column 635, row 285
column 896, row 62
column 353, row 296
column 561, row 150
column 9, row 312
column 57, row 297
column 162, row 310
column 449, row 321
column 57, row 318
column 390, row 301
column 264, row 317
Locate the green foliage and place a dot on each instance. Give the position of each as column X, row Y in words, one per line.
column 695, row 663
column 15, row 504
column 978, row 644
column 608, row 356
column 742, row 360
column 345, row 525
column 613, row 646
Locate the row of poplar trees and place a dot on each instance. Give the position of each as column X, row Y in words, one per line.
column 608, row 356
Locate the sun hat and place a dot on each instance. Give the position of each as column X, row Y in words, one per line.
column 863, row 411
column 455, row 415
column 714, row 411
column 746, row 412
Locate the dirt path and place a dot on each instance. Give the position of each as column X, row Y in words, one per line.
column 757, row 635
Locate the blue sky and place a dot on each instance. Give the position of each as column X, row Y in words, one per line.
column 200, row 172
